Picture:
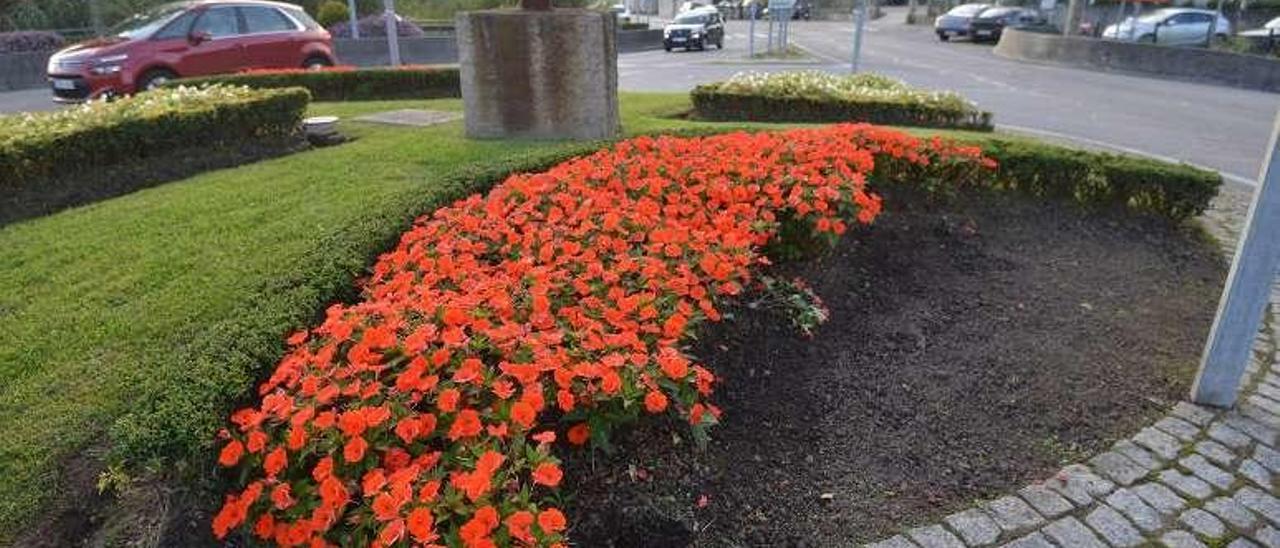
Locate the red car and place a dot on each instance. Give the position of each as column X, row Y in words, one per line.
column 189, row 39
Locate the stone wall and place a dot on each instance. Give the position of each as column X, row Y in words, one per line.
column 23, row 70
column 1191, row 64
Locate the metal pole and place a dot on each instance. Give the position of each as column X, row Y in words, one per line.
column 1244, row 299
column 355, row 19
column 860, row 25
column 393, row 32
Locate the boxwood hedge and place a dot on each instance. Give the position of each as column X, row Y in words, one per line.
column 350, row 84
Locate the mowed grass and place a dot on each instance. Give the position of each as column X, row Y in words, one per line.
column 134, row 323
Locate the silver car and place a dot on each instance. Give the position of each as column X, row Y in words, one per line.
column 956, row 21
column 1171, row 26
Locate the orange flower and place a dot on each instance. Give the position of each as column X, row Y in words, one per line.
column 231, row 453
column 547, row 474
column 466, row 425
column 579, row 433
column 353, row 451
column 422, row 525
column 520, row 526
column 655, row 401
column 551, row 520
column 523, row 414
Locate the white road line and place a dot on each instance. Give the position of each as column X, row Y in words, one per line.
column 1128, row 150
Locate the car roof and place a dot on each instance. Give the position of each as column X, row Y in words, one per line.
column 194, row 3
column 1175, row 11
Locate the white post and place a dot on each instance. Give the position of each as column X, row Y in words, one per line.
column 355, row 19
column 860, row 25
column 1248, row 286
column 393, row 32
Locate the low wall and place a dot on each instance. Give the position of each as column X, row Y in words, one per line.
column 443, row 49
column 23, row 70
column 1180, row 63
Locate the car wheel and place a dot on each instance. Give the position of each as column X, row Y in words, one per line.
column 317, row 62
column 668, row 48
column 720, row 43
column 944, row 37
column 155, row 78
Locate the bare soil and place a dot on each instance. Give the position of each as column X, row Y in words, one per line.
column 972, row 347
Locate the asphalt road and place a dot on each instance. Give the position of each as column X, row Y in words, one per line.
column 1218, row 127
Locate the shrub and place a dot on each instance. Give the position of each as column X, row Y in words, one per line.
column 811, row 96
column 1176, row 192
column 426, row 412
column 39, row 147
column 25, row 41
column 375, row 26
column 332, row 12
column 349, row 83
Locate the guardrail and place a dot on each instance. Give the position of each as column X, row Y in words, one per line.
column 1191, row 64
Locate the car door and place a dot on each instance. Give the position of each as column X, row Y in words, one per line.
column 270, row 38
column 213, row 46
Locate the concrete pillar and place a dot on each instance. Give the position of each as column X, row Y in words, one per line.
column 1071, row 20
column 539, row 74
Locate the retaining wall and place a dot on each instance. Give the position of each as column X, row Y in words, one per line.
column 1180, row 63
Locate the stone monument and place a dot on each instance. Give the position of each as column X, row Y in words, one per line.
column 538, row 72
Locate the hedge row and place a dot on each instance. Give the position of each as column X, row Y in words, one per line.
column 350, row 84
column 709, row 103
column 36, row 149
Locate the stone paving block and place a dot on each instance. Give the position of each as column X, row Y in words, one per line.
column 1198, row 415
column 898, row 541
column 1113, row 527
column 1268, row 537
column 1261, row 502
column 1206, row 471
column 1185, row 484
column 1163, row 445
column 1117, row 468
column 1180, row 539
column 1163, row 499
column 1033, row 540
column 1232, row 512
column 934, row 536
column 1242, row 543
column 1079, row 484
column 1228, row 436
column 1013, row 515
column 1132, row 506
column 974, row 526
column 1251, row 428
column 1137, row 454
column 1264, row 417
column 1267, row 404
column 1257, row 473
column 1203, row 523
column 1045, row 500
column 1215, row 452
column 1069, row 531
column 1268, row 457
column 1269, row 390
column 411, row 117
column 1179, row 428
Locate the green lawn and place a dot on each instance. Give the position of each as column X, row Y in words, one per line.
column 142, row 318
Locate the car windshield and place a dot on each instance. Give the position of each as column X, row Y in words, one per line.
column 691, row 19
column 998, row 12
column 967, row 10
column 1273, row 24
column 145, row 24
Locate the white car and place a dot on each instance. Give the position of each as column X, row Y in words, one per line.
column 1171, row 26
column 620, row 11
column 1272, row 28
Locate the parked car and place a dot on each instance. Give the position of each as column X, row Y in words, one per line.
column 192, row 38
column 989, row 24
column 694, row 29
column 620, row 11
column 1172, row 26
column 955, row 23
column 1272, row 28
column 692, row 5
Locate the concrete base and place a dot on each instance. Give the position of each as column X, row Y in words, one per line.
column 539, row 74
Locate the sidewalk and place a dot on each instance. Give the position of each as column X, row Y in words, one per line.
column 1198, row 477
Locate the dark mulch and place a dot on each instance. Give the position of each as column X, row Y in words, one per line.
column 972, row 348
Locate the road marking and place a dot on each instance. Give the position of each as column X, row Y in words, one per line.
column 1240, row 179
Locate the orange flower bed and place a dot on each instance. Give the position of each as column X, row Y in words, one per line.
column 554, row 306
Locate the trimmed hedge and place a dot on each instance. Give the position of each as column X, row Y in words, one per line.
column 1176, row 192
column 30, row 40
column 818, row 97
column 94, row 135
column 350, row 84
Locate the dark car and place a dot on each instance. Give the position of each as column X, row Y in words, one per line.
column 695, row 29
column 988, row 25
column 189, row 39
column 955, row 23
column 802, row 10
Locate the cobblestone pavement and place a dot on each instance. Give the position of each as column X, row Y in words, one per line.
column 1197, row 477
